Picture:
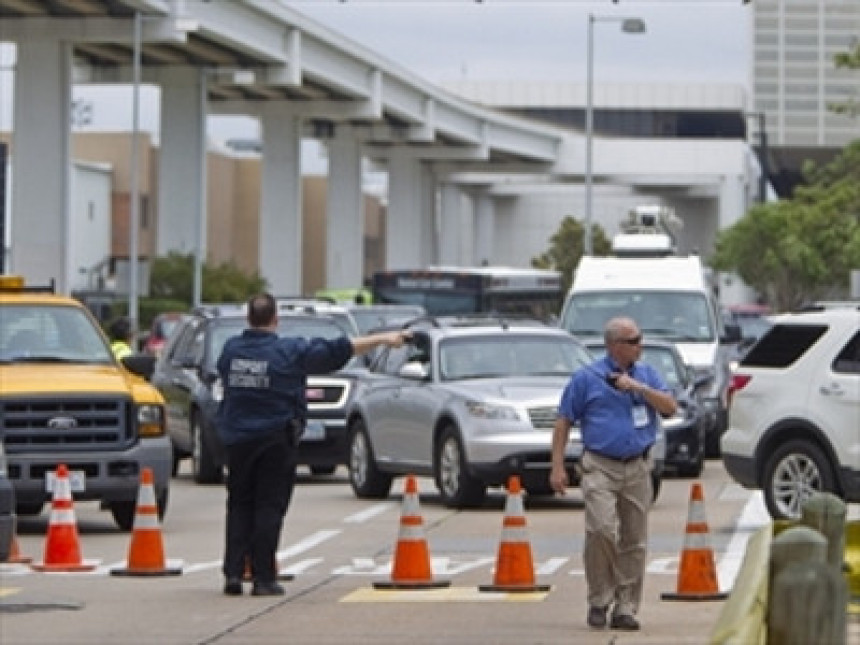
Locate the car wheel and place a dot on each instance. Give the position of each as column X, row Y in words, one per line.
column 793, row 474
column 367, row 481
column 174, row 467
column 203, row 466
column 693, row 469
column 456, row 486
column 124, row 512
column 656, row 481
column 29, row 509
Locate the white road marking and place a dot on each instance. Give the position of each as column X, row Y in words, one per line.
column 368, row 513
column 753, row 517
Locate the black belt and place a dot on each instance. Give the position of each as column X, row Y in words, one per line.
column 624, row 460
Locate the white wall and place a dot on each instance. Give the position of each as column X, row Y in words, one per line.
column 90, row 226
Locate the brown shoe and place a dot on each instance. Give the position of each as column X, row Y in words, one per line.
column 624, row 622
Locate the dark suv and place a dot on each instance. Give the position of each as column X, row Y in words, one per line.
column 187, row 377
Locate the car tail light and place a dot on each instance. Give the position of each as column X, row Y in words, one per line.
column 738, row 382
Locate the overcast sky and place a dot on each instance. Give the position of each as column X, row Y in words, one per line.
column 444, row 40
column 686, row 40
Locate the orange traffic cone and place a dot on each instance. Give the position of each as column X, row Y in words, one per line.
column 146, row 551
column 62, row 549
column 15, row 556
column 514, row 567
column 697, row 575
column 411, row 566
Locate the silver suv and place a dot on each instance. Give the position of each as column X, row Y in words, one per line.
column 794, row 416
column 469, row 402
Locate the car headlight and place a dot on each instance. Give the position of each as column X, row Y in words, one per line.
column 490, row 411
column 150, row 420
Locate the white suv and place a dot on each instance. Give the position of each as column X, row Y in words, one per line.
column 794, row 416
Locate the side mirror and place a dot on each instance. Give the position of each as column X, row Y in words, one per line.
column 415, row 370
column 732, row 334
column 140, row 364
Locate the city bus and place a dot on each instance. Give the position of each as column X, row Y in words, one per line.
column 448, row 290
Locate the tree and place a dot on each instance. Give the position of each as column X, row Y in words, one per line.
column 172, row 278
column 567, row 246
column 847, row 60
column 803, row 248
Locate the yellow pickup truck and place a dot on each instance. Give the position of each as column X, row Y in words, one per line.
column 66, row 399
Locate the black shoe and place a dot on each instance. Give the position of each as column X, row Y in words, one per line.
column 233, row 587
column 624, row 622
column 267, row 589
column 597, row 617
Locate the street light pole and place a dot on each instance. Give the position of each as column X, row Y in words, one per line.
column 134, row 211
column 630, row 26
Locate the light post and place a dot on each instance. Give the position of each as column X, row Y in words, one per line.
column 134, row 212
column 630, row 26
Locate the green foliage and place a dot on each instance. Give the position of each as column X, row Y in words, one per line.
column 848, row 60
column 567, row 246
column 800, row 249
column 172, row 278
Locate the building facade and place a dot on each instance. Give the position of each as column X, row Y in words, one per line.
column 795, row 80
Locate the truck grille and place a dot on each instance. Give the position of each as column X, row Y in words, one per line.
column 326, row 393
column 543, row 418
column 82, row 423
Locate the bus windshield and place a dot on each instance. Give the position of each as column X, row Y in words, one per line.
column 677, row 316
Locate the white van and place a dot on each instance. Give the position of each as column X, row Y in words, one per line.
column 670, row 298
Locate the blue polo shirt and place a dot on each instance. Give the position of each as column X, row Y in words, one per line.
column 606, row 415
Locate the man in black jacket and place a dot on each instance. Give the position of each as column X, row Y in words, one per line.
column 259, row 420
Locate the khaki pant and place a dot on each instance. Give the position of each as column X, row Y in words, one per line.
column 617, row 498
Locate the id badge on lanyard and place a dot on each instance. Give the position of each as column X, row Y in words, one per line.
column 640, row 416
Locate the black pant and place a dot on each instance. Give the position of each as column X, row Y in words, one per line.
column 260, row 479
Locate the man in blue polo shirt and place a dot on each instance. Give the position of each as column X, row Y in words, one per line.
column 616, row 401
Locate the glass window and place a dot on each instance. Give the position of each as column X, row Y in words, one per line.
column 510, row 355
column 674, row 315
column 848, row 360
column 783, row 345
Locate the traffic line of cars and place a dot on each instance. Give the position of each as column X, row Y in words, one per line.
column 469, row 402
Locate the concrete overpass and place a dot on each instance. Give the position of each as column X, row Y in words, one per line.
column 251, row 57
column 302, row 80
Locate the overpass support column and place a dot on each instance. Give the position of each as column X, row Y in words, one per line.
column 452, row 231
column 344, row 215
column 428, row 236
column 485, row 223
column 281, row 203
column 404, row 247
column 181, row 177
column 41, row 213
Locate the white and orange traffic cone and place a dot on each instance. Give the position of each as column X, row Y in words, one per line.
column 62, row 547
column 411, row 568
column 146, row 550
column 697, row 573
column 514, row 567
column 15, row 556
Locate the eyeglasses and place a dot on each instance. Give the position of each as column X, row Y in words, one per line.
column 630, row 341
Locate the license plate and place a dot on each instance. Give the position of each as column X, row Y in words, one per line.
column 314, row 431
column 77, row 481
